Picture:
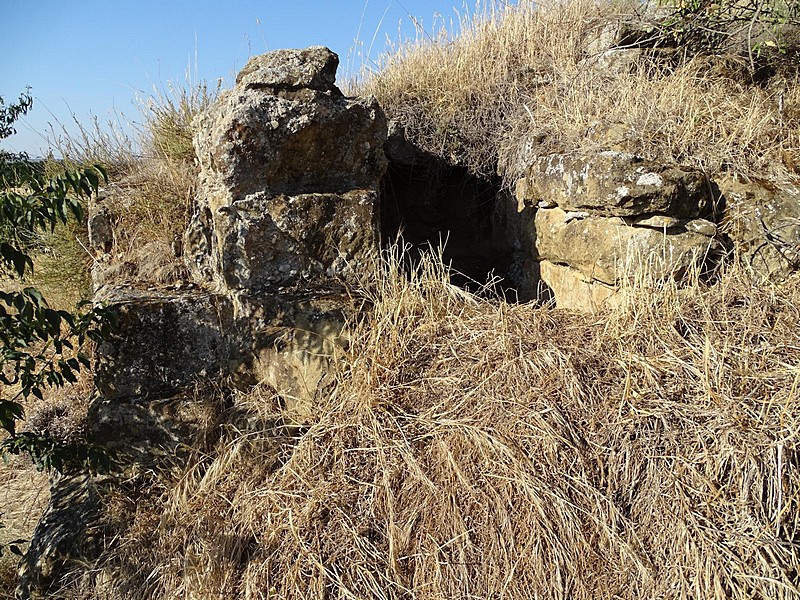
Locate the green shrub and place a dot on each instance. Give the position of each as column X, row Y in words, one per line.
column 39, row 346
column 766, row 33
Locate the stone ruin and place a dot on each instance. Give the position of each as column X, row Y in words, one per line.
column 299, row 186
column 285, row 224
column 601, row 220
column 285, row 221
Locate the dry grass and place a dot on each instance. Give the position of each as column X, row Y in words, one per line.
column 149, row 209
column 24, row 496
column 150, row 202
column 152, row 183
column 25, row 489
column 515, row 83
column 62, row 415
column 168, row 117
column 477, row 450
column 484, row 450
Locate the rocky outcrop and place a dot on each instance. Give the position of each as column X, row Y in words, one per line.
column 572, row 289
column 164, row 340
column 267, row 242
column 287, row 341
column 612, row 249
column 285, row 218
column 763, row 222
column 589, row 223
column 290, row 171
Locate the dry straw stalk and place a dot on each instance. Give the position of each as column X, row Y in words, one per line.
column 477, row 450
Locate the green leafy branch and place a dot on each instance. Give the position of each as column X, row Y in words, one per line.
column 9, row 114
column 40, row 346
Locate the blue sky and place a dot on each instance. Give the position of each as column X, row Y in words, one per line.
column 93, row 58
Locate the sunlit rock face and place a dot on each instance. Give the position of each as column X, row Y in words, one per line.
column 584, row 224
column 284, row 221
column 611, row 249
column 616, row 184
column 289, row 179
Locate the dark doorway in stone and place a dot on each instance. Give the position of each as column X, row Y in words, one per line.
column 433, row 204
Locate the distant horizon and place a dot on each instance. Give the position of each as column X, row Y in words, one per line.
column 95, row 64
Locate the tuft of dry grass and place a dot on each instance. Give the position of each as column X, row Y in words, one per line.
column 518, row 81
column 486, row 450
column 149, row 209
column 168, row 118
column 152, row 182
column 150, row 203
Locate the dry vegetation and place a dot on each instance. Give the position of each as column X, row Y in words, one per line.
column 150, row 194
column 517, row 82
column 148, row 199
column 484, row 450
column 24, row 496
column 61, row 414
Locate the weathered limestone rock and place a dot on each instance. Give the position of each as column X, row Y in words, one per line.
column 616, row 184
column 288, row 342
column 100, row 229
column 166, row 342
column 313, row 68
column 588, row 223
column 286, row 208
column 163, row 342
column 290, row 172
column 267, row 242
column 656, row 222
column 287, row 201
column 613, row 61
column 253, row 140
column 607, row 249
column 574, row 291
column 701, row 226
column 763, row 222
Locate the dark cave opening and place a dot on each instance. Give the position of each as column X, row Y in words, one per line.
column 433, row 204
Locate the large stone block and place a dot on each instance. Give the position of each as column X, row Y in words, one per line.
column 164, row 341
column 608, row 249
column 615, row 184
column 572, row 290
column 763, row 222
column 254, row 140
column 313, row 68
column 288, row 342
column 267, row 242
column 290, row 173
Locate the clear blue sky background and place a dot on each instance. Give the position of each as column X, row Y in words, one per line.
column 94, row 57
